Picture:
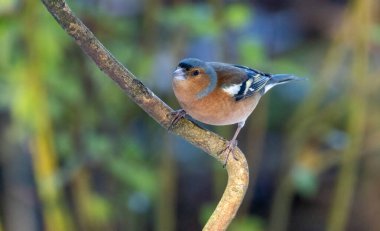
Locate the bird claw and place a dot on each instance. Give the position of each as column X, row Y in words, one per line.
column 179, row 114
column 230, row 147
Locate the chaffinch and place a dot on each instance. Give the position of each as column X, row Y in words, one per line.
column 221, row 94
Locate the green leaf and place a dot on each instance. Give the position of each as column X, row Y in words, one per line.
column 375, row 34
column 251, row 52
column 305, row 181
column 251, row 223
column 7, row 5
column 237, row 15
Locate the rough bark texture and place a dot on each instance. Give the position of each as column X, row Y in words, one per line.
column 209, row 142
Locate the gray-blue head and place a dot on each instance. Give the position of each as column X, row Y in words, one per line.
column 196, row 70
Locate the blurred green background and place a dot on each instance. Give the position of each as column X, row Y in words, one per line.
column 77, row 154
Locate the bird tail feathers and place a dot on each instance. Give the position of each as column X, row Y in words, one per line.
column 277, row 79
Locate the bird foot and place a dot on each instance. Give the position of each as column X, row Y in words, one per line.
column 230, row 147
column 178, row 114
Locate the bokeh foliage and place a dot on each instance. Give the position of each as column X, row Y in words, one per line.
column 77, row 154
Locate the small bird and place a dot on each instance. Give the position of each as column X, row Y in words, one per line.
column 221, row 94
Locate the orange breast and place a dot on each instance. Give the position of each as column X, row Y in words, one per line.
column 217, row 108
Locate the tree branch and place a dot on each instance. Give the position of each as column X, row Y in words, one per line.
column 158, row 110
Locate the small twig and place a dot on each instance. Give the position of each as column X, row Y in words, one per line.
column 158, row 110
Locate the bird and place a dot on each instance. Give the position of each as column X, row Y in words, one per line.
column 220, row 94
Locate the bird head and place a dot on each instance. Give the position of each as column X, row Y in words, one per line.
column 195, row 76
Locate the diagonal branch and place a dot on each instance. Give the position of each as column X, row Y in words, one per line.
column 158, row 110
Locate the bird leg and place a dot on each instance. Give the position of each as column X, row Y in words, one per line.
column 178, row 114
column 232, row 144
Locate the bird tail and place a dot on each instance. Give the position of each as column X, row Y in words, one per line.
column 277, row 79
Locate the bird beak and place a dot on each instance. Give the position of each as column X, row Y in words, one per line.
column 179, row 74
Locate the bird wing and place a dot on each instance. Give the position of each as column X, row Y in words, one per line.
column 243, row 81
column 240, row 81
column 256, row 81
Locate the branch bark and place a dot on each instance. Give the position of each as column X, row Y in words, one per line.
column 207, row 141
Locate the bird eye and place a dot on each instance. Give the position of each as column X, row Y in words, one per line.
column 195, row 73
